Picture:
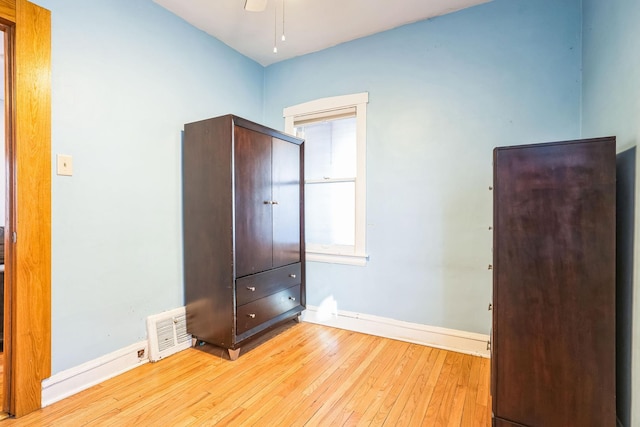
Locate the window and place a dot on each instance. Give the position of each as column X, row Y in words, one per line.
column 334, row 130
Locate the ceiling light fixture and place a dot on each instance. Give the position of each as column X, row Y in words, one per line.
column 255, row 5
column 283, row 37
column 275, row 31
column 261, row 6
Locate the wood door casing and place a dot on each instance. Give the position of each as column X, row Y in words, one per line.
column 286, row 191
column 554, row 284
column 28, row 260
column 8, row 10
column 253, row 196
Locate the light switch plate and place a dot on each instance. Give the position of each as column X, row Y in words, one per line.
column 65, row 164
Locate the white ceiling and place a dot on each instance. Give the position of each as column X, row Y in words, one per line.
column 310, row 25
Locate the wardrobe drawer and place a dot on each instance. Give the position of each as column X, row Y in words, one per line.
column 256, row 286
column 259, row 311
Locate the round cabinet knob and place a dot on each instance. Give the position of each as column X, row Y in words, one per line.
column 293, row 276
column 251, row 315
column 292, row 298
column 251, row 288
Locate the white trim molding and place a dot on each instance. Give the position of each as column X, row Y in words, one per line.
column 432, row 336
column 76, row 379
column 325, row 104
column 354, row 105
column 359, row 260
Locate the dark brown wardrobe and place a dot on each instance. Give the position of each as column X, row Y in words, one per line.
column 243, row 200
column 553, row 336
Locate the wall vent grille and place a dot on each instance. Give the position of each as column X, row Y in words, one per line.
column 167, row 333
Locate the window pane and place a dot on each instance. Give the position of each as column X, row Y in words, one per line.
column 330, row 213
column 330, row 149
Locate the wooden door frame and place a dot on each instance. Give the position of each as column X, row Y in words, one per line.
column 27, row 324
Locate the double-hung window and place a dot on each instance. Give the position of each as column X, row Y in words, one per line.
column 334, row 130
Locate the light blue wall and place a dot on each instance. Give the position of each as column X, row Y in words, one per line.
column 126, row 76
column 443, row 93
column 611, row 106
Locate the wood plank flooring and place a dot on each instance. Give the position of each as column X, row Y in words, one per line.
column 304, row 375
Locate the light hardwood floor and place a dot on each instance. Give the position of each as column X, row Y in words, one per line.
column 305, row 374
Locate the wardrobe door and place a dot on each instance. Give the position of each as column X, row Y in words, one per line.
column 286, row 213
column 252, row 162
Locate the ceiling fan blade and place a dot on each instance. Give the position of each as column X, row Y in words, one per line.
column 255, row 5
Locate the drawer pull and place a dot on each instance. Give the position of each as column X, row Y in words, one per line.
column 251, row 288
column 293, row 276
column 292, row 298
column 251, row 315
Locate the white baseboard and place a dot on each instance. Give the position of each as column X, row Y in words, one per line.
column 74, row 380
column 433, row 336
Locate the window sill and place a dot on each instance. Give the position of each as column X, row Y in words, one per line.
column 358, row 260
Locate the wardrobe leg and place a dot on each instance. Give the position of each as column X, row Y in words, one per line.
column 233, row 354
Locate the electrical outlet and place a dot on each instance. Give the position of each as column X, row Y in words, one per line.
column 141, row 353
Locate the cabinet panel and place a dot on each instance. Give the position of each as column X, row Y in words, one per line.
column 257, row 312
column 256, row 286
column 254, row 230
column 286, row 214
column 554, row 284
column 207, row 208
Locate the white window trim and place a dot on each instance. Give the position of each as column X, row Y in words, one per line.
column 334, row 253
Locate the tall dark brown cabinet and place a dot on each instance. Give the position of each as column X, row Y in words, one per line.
column 553, row 344
column 243, row 201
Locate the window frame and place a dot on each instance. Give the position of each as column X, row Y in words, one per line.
column 323, row 107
